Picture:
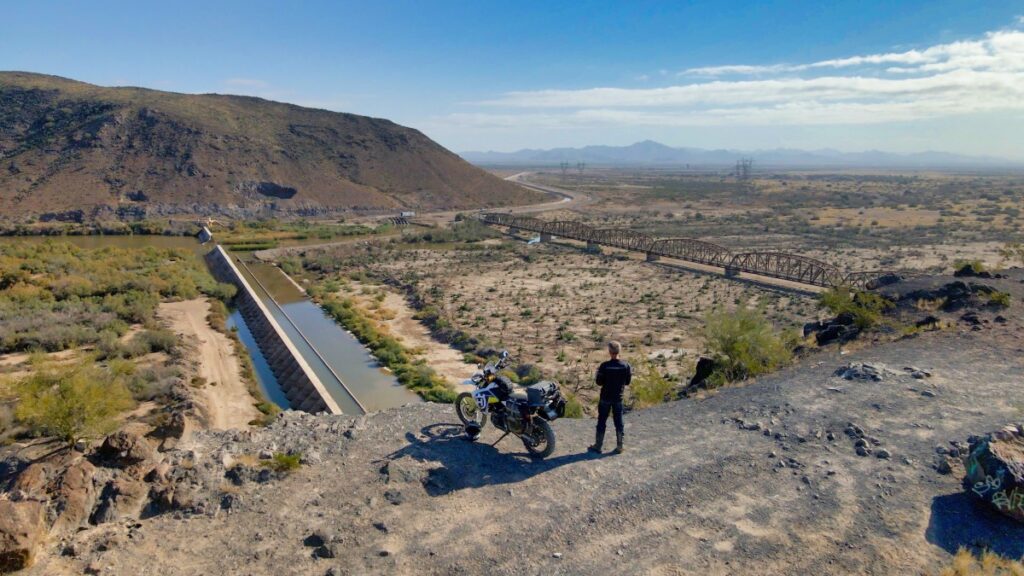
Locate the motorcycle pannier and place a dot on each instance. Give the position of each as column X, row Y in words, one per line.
column 538, row 393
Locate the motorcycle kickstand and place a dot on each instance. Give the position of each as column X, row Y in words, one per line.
column 500, row 439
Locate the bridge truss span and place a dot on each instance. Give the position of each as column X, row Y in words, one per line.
column 782, row 265
column 692, row 250
column 786, row 267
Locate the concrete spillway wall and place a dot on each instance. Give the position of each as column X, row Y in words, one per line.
column 297, row 380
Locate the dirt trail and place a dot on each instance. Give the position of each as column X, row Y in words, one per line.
column 224, row 399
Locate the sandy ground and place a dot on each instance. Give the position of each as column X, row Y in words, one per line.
column 397, row 316
column 224, row 399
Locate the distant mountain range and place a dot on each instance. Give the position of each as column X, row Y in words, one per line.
column 650, row 153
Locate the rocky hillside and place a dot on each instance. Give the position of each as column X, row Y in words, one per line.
column 72, row 151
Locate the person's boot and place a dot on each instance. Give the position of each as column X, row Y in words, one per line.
column 598, row 441
column 618, row 443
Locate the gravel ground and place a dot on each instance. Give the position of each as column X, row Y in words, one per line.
column 703, row 488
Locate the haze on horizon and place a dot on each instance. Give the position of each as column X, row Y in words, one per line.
column 945, row 76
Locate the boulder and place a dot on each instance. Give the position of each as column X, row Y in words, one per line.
column 705, row 367
column 73, row 495
column 22, row 530
column 995, row 470
column 122, row 497
column 126, row 450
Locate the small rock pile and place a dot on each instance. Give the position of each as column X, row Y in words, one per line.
column 995, row 470
column 864, row 371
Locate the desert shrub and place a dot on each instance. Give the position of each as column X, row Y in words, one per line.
column 573, row 408
column 73, row 403
column 282, row 462
column 55, row 296
column 999, row 299
column 649, row 386
column 965, row 563
column 867, row 308
column 1013, row 252
column 742, row 344
column 969, row 266
column 153, row 383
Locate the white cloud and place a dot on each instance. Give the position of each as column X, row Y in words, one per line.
column 971, row 76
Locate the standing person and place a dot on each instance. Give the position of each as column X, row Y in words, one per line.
column 612, row 376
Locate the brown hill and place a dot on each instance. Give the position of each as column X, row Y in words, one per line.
column 70, row 150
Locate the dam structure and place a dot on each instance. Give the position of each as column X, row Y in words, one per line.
column 297, row 379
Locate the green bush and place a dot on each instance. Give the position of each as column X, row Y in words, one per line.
column 649, row 386
column 999, row 299
column 742, row 344
column 573, row 408
column 282, row 462
column 867, row 307
column 971, row 266
column 71, row 403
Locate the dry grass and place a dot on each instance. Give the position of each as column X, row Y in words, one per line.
column 988, row 564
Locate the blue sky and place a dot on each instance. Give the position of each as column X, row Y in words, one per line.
column 901, row 76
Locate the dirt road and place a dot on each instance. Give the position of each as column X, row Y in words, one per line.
column 224, row 399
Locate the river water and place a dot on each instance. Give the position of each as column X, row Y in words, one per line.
column 349, row 372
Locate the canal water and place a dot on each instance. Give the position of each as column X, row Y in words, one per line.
column 348, row 370
column 341, row 362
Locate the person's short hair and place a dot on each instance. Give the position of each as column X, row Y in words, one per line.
column 614, row 347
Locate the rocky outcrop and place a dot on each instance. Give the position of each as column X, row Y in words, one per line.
column 995, row 470
column 22, row 530
column 840, row 329
column 127, row 451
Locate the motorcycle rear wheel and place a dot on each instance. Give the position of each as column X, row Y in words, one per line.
column 468, row 411
column 541, row 441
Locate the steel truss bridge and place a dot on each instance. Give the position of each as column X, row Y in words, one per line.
column 782, row 265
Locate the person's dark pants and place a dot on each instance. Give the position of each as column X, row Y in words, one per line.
column 603, row 408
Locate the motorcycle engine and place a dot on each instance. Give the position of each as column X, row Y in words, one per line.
column 498, row 418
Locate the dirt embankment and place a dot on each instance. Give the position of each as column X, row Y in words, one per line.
column 222, row 396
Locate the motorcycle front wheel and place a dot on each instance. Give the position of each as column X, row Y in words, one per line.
column 468, row 411
column 540, row 442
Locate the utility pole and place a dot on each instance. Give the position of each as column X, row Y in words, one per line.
column 580, row 166
column 744, row 166
column 565, row 168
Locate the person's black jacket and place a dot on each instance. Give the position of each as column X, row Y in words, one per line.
column 613, row 376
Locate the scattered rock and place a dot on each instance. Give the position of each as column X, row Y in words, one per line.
column 864, row 371
column 883, row 454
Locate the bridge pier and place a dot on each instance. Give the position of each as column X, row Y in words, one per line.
column 652, row 257
column 593, row 248
column 731, row 272
column 546, row 237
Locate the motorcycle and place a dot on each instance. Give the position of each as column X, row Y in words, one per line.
column 524, row 412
